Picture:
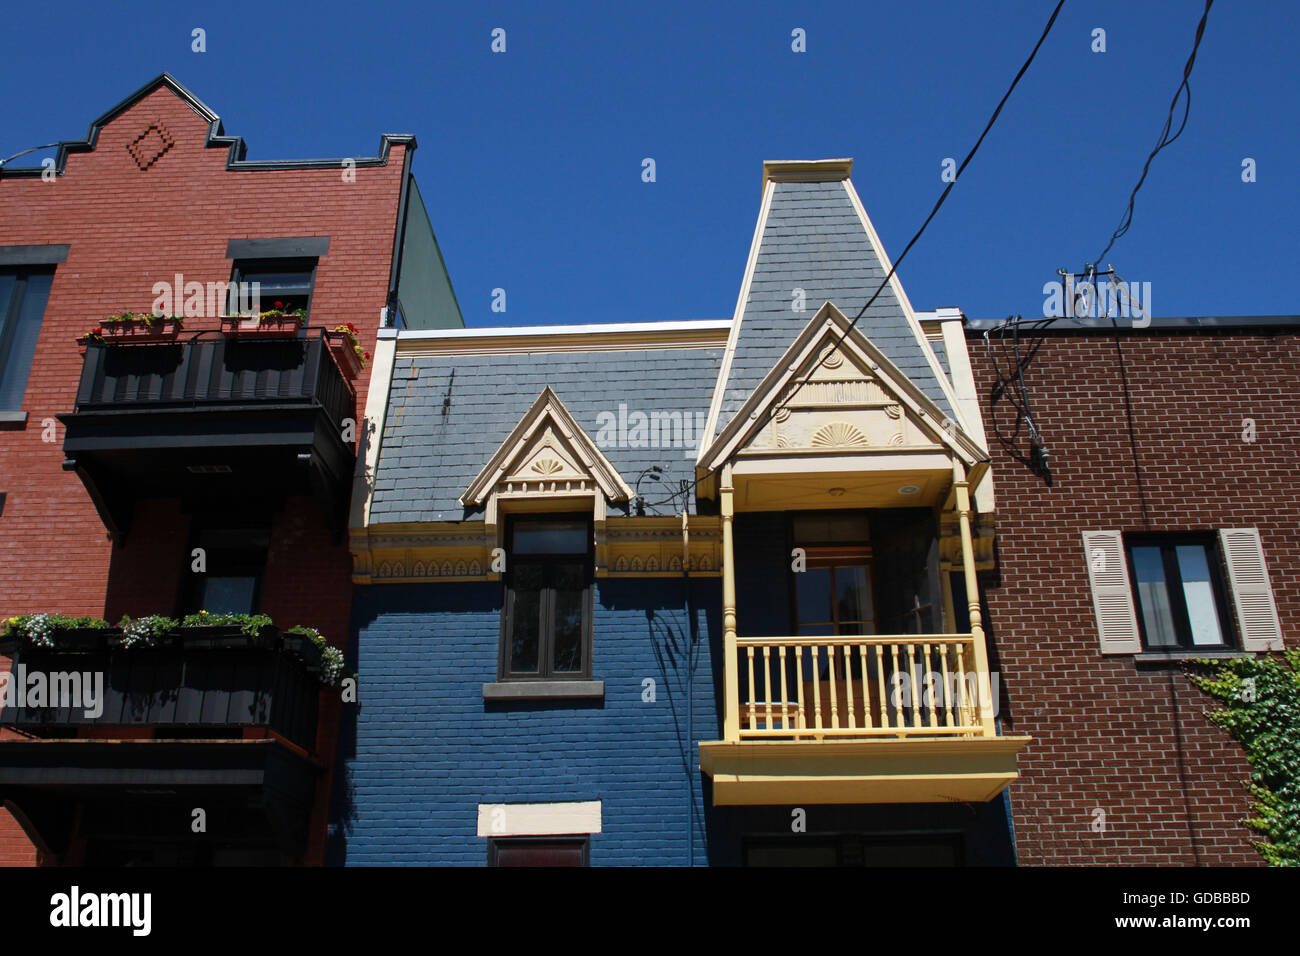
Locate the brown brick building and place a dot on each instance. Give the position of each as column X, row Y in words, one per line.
column 241, row 448
column 1148, row 433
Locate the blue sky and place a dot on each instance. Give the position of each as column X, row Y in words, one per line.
column 530, row 161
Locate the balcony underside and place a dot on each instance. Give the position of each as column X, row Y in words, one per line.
column 146, row 789
column 204, row 454
column 925, row 770
column 211, row 418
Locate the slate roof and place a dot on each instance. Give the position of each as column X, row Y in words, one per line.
column 815, row 241
column 448, row 414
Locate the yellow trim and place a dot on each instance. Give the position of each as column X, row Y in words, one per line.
column 548, row 406
column 926, row 770
column 830, row 322
column 806, row 170
column 370, row 432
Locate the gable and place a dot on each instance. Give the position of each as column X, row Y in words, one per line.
column 547, row 454
column 835, row 394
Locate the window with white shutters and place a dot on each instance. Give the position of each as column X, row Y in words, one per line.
column 1252, row 593
column 1112, row 597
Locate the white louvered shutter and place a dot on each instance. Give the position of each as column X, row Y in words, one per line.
column 1112, row 597
column 1251, row 592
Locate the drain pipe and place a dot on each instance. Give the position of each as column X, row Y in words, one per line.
column 690, row 690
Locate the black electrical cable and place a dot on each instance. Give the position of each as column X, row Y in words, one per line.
column 1165, row 139
column 942, row 198
column 10, row 159
column 1020, row 402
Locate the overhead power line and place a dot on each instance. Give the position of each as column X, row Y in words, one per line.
column 942, row 199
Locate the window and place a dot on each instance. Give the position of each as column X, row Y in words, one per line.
column 833, row 594
column 546, row 620
column 235, row 560
column 539, row 851
column 287, row 281
column 23, row 294
column 1178, row 591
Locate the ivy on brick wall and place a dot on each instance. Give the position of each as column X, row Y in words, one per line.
column 1261, row 710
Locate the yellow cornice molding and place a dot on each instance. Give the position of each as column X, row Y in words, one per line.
column 647, row 547
column 806, row 170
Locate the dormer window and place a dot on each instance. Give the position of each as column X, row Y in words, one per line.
column 546, row 616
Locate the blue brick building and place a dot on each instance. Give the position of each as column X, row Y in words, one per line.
column 685, row 592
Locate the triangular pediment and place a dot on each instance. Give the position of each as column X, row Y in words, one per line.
column 834, row 391
column 547, row 453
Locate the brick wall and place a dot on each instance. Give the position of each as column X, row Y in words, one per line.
column 1107, row 735
column 426, row 749
column 128, row 228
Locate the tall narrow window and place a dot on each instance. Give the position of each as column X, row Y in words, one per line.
column 833, row 595
column 23, row 295
column 1179, row 592
column 546, row 628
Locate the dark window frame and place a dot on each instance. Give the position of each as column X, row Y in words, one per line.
column 308, row 264
column 1168, row 544
column 830, row 555
column 583, row 840
column 241, row 566
column 546, row 635
column 10, row 310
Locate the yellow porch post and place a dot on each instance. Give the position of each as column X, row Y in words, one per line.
column 973, row 602
column 730, row 653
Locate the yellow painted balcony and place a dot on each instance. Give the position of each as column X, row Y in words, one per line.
column 859, row 719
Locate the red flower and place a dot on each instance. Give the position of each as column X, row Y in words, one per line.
column 279, row 305
column 98, row 330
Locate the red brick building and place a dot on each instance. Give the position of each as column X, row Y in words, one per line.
column 1170, row 433
column 116, row 466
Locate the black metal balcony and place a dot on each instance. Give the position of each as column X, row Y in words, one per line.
column 211, row 417
column 179, row 692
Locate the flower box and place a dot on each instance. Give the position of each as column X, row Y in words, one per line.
column 224, row 636
column 345, row 356
column 117, row 642
column 302, row 648
column 133, row 331
column 67, row 640
column 265, row 327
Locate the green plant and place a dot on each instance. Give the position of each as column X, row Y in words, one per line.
column 39, row 629
column 331, row 668
column 250, row 624
column 281, row 311
column 148, row 318
column 144, row 631
column 1261, row 710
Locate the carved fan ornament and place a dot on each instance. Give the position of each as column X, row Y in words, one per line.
column 838, row 435
column 546, row 466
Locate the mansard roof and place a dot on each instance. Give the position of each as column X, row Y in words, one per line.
column 457, row 395
column 813, row 235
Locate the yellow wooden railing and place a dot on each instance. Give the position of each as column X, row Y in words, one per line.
column 912, row 685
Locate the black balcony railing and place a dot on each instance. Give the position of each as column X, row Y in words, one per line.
column 211, row 370
column 178, row 692
column 211, row 417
